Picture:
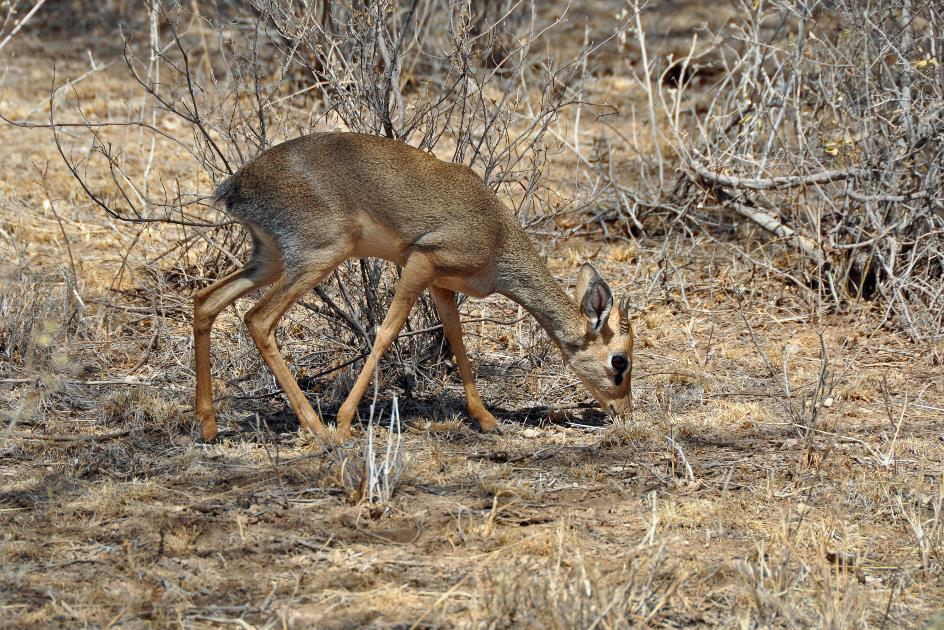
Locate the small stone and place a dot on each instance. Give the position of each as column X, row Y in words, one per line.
column 182, row 441
column 828, row 403
column 531, row 433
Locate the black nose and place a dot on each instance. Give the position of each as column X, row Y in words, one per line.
column 619, row 362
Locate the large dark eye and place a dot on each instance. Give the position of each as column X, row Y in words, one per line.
column 619, row 362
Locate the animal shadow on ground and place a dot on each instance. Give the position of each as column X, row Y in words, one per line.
column 278, row 419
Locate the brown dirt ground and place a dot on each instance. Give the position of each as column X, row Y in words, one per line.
column 111, row 514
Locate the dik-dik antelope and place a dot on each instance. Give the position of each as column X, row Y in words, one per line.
column 315, row 201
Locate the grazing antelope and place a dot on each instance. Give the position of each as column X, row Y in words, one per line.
column 315, row 201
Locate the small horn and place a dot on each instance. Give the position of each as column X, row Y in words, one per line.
column 624, row 315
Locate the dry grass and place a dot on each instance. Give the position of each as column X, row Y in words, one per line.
column 726, row 502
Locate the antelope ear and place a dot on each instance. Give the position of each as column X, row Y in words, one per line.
column 585, row 277
column 594, row 297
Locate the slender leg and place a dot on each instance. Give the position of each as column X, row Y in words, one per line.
column 417, row 275
column 262, row 320
column 449, row 314
column 207, row 304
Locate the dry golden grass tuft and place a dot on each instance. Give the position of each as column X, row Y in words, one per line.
column 564, row 590
column 141, row 409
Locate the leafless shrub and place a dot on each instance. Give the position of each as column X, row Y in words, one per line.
column 14, row 15
column 825, row 130
column 433, row 76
